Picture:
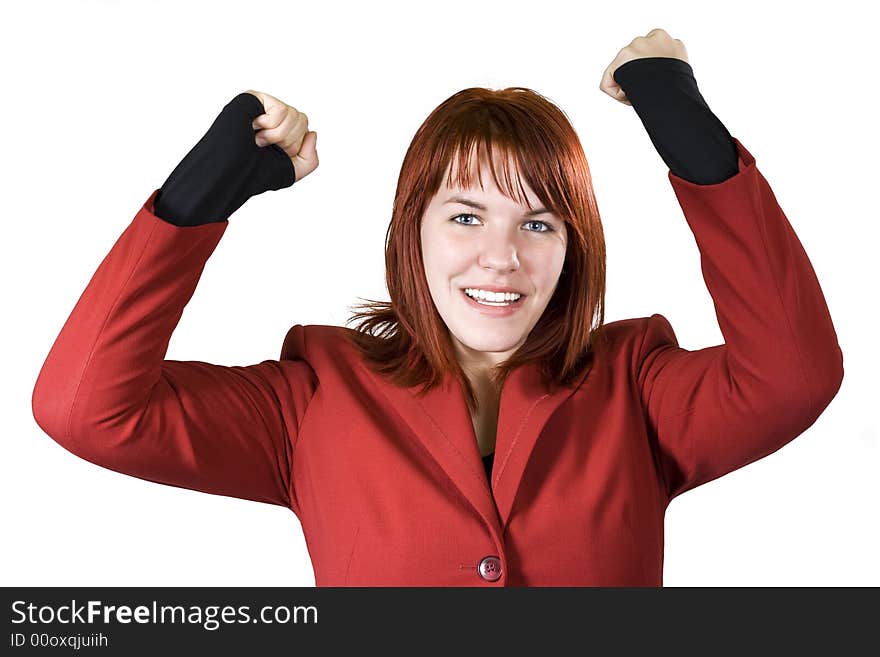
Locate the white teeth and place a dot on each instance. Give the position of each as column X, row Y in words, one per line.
column 496, row 297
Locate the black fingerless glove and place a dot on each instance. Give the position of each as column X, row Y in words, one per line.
column 224, row 169
column 691, row 140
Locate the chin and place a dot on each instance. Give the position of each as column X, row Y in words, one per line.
column 489, row 343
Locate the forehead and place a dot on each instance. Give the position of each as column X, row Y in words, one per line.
column 475, row 174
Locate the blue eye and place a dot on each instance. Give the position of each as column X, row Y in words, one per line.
column 549, row 228
column 464, row 215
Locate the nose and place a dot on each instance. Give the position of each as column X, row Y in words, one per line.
column 498, row 252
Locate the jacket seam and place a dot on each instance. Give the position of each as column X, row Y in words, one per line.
column 801, row 361
column 451, row 444
column 294, row 447
column 497, row 476
column 101, row 331
column 284, row 428
column 646, row 413
column 351, row 554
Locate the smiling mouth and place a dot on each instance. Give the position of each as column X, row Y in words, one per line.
column 494, row 304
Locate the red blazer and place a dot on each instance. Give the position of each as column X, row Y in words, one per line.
column 390, row 488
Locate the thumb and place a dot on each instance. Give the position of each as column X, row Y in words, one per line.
column 306, row 160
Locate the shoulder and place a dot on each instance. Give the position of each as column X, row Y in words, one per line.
column 317, row 344
column 623, row 331
column 627, row 341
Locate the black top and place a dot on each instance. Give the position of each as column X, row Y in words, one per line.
column 487, row 463
column 226, row 167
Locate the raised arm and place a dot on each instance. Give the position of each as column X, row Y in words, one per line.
column 717, row 409
column 711, row 411
column 106, row 393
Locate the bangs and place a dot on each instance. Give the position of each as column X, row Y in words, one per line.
column 505, row 164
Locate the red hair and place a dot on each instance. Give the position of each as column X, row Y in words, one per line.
column 406, row 338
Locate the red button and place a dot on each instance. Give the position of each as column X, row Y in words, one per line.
column 490, row 568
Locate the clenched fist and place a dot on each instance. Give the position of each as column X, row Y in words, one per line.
column 656, row 43
column 289, row 129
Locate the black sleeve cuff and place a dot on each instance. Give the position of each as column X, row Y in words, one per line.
column 224, row 169
column 693, row 143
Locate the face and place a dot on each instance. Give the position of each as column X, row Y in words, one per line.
column 480, row 239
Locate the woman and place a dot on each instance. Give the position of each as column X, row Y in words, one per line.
column 495, row 262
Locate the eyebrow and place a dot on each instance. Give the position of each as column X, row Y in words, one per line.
column 465, row 201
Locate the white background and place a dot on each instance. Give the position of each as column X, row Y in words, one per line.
column 102, row 99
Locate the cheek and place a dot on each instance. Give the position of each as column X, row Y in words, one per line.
column 445, row 256
column 442, row 264
column 545, row 265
